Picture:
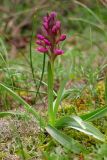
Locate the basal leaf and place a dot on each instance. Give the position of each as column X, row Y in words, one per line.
column 98, row 113
column 65, row 140
column 77, row 123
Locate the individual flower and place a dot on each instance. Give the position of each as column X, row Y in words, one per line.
column 42, row 49
column 40, row 37
column 49, row 41
column 58, row 51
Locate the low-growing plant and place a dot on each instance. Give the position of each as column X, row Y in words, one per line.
column 50, row 45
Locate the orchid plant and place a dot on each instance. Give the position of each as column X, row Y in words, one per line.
column 49, row 43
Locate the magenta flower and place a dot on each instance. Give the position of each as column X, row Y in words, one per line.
column 39, row 36
column 42, row 49
column 58, row 25
column 58, row 51
column 49, row 41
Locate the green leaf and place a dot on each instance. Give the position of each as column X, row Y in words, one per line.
column 17, row 114
column 66, row 141
column 38, row 118
column 98, row 113
column 77, row 123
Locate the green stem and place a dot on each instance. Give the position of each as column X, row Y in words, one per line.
column 50, row 92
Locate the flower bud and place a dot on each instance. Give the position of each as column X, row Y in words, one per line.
column 45, row 24
column 47, row 42
column 53, row 14
column 62, row 37
column 54, row 29
column 58, row 24
column 39, row 36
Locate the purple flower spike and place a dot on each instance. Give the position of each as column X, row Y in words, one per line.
column 42, row 49
column 58, row 51
column 39, row 36
column 51, row 35
column 47, row 42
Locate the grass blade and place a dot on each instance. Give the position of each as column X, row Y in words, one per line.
column 16, row 114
